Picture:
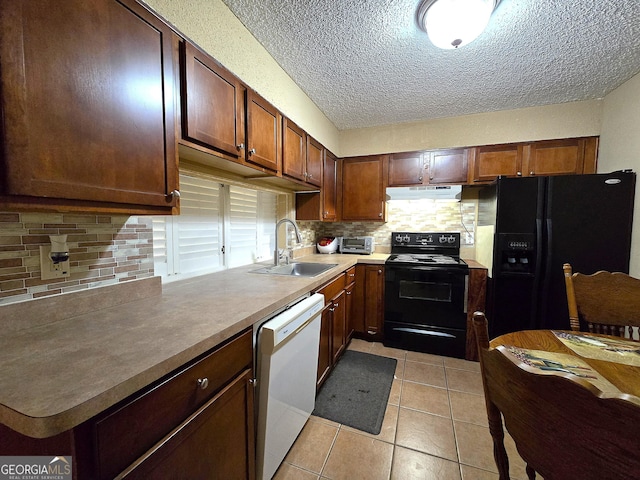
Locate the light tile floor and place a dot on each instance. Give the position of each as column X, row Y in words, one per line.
column 435, row 428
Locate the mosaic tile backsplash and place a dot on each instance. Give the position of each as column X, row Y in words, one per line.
column 103, row 250
column 404, row 215
column 112, row 249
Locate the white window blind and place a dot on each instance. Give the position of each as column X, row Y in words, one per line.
column 218, row 226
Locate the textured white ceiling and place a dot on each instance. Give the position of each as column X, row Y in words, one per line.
column 366, row 62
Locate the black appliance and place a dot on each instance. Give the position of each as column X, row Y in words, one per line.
column 426, row 287
column 540, row 224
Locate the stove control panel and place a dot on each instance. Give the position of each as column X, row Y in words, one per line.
column 428, row 239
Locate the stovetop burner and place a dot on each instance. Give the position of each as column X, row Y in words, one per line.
column 432, row 249
column 424, row 259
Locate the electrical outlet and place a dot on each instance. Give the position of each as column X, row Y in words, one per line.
column 50, row 270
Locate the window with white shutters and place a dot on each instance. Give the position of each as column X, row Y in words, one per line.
column 219, row 226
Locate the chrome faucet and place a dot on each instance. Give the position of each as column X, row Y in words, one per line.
column 276, row 256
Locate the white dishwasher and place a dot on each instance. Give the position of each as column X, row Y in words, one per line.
column 287, row 365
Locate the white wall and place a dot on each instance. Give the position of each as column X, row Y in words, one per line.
column 620, row 147
column 576, row 119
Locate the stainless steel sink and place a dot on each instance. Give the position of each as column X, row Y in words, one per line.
column 298, row 269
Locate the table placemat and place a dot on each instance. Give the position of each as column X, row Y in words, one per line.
column 553, row 363
column 602, row 348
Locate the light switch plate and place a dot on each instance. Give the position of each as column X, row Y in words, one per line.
column 49, row 270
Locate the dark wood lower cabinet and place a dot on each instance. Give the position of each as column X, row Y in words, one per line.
column 338, row 325
column 179, row 427
column 324, row 354
column 333, row 329
column 216, row 442
column 475, row 302
column 368, row 309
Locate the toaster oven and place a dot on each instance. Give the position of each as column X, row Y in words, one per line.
column 362, row 245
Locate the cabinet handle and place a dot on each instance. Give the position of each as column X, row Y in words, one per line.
column 174, row 194
column 519, row 174
column 371, row 332
column 532, row 173
column 203, row 383
column 336, row 305
column 252, row 151
column 348, row 293
column 380, row 271
column 380, row 214
column 240, row 146
column 420, row 178
column 309, row 175
column 331, row 309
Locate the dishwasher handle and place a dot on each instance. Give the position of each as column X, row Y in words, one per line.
column 290, row 322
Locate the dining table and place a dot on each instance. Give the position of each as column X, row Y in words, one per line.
column 624, row 376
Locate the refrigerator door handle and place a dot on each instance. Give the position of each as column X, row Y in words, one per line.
column 537, row 279
column 546, row 284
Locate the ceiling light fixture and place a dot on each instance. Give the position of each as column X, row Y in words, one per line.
column 454, row 23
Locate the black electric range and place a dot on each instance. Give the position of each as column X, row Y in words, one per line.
column 426, row 288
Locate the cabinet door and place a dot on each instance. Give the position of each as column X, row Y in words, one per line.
column 263, row 132
column 213, row 102
column 557, row 157
column 329, row 188
column 216, row 442
column 448, row 166
column 492, row 161
column 324, row 354
column 349, row 309
column 374, row 301
column 406, row 169
column 315, row 159
column 363, row 188
column 338, row 326
column 358, row 298
column 88, row 102
column 294, row 150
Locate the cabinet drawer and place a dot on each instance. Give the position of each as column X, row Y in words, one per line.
column 126, row 433
column 351, row 275
column 333, row 287
column 216, row 442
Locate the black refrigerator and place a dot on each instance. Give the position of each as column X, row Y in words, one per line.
column 540, row 223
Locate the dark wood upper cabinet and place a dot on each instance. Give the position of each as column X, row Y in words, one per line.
column 302, row 155
column 321, row 205
column 294, row 150
column 490, row 161
column 213, row 103
column 87, row 98
column 565, row 156
column 330, row 188
column 264, row 142
column 557, row 157
column 406, row 169
column 363, row 188
column 315, row 160
column 448, row 166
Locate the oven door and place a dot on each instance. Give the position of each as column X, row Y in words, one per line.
column 426, row 295
column 426, row 309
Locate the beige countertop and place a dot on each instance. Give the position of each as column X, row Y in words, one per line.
column 58, row 371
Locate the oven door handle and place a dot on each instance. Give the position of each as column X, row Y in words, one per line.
column 430, row 333
column 466, row 292
column 424, row 268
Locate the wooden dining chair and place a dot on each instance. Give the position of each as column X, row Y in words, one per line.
column 563, row 427
column 605, row 303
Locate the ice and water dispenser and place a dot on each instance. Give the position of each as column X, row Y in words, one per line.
column 516, row 253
